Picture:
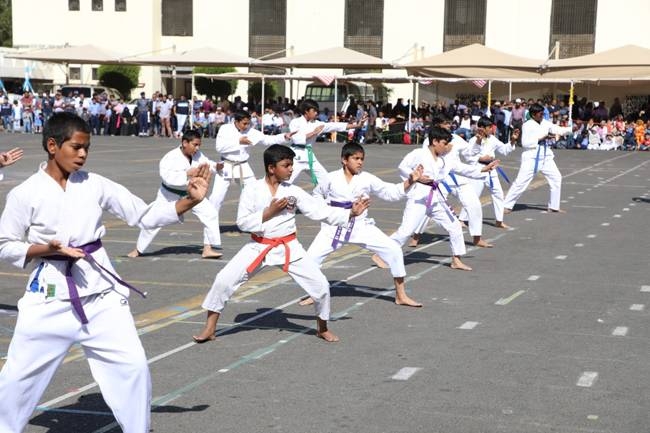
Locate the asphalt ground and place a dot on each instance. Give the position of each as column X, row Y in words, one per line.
column 548, row 333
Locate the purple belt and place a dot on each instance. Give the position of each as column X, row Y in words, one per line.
column 339, row 229
column 88, row 249
column 435, row 186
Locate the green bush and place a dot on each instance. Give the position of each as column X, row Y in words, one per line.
column 121, row 77
column 255, row 90
column 212, row 87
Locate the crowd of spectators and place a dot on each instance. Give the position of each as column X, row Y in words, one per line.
column 595, row 126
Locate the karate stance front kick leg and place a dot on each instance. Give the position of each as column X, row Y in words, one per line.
column 304, row 271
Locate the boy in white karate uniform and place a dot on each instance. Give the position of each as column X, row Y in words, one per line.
column 234, row 143
column 430, row 200
column 9, row 157
column 482, row 150
column 346, row 185
column 460, row 187
column 267, row 209
column 54, row 219
column 305, row 129
column 176, row 168
column 537, row 156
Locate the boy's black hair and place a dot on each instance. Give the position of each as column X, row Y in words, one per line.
column 484, row 122
column 240, row 115
column 308, row 104
column 190, row 135
column 440, row 118
column 276, row 153
column 350, row 149
column 437, row 133
column 535, row 108
column 61, row 126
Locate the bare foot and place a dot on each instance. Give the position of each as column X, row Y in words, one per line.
column 407, row 302
column 327, row 336
column 501, row 225
column 507, row 211
column 414, row 240
column 457, row 264
column 209, row 253
column 204, row 337
column 482, row 244
column 306, row 301
column 379, row 262
column 134, row 253
column 556, row 210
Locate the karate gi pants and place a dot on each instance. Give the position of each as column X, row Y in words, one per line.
column 526, row 174
column 496, row 191
column 300, row 165
column 417, row 211
column 304, row 271
column 204, row 211
column 44, row 333
column 367, row 236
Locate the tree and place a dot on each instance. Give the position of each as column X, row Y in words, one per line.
column 255, row 90
column 122, row 77
column 212, row 87
column 5, row 24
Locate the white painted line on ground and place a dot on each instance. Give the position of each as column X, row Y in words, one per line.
column 560, row 257
column 223, row 370
column 645, row 288
column 604, row 224
column 632, row 204
column 587, row 379
column 533, row 278
column 405, row 373
column 530, row 219
column 620, row 331
column 637, row 307
column 617, row 215
column 506, row 301
column 468, row 325
column 581, row 192
column 592, row 417
column 626, row 209
column 579, row 245
column 571, row 197
column 591, row 236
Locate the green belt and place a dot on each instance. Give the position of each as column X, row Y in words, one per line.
column 174, row 190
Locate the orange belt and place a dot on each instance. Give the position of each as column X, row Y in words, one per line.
column 272, row 243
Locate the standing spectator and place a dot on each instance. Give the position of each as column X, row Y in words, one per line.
column 27, row 105
column 181, row 110
column 371, row 132
column 517, row 118
column 166, row 106
column 47, row 106
column 94, row 109
column 17, row 115
column 6, row 115
column 616, row 109
column 142, row 107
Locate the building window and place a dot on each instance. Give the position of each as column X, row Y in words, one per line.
column 364, row 26
column 177, row 18
column 73, row 5
column 464, row 23
column 94, row 74
column 120, row 5
column 267, row 29
column 74, row 72
column 573, row 25
column 98, row 5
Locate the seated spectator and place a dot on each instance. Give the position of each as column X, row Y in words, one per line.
column 645, row 144
column 639, row 132
column 609, row 143
column 594, row 139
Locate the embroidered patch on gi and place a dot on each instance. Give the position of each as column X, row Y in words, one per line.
column 51, row 290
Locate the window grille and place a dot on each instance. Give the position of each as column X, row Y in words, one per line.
column 267, row 31
column 120, row 5
column 464, row 23
column 573, row 25
column 73, row 5
column 98, row 5
column 177, row 18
